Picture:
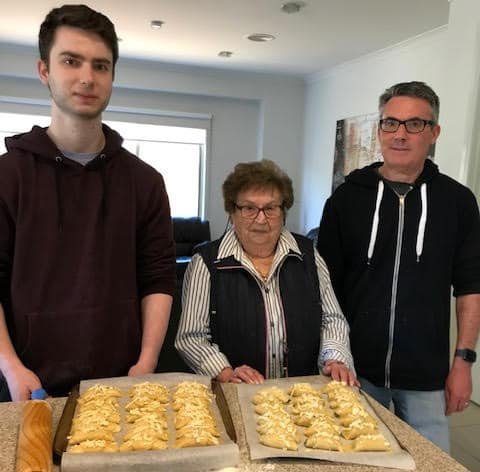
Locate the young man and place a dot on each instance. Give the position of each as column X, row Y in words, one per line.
column 396, row 236
column 86, row 249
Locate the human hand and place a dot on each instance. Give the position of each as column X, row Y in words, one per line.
column 21, row 382
column 458, row 387
column 140, row 368
column 339, row 371
column 248, row 374
column 227, row 375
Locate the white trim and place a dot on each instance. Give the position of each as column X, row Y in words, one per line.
column 157, row 112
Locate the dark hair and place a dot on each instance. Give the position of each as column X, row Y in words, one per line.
column 77, row 16
column 411, row 89
column 264, row 174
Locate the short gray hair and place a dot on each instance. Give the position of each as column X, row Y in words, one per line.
column 411, row 89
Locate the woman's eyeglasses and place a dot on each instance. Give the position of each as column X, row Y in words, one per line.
column 250, row 212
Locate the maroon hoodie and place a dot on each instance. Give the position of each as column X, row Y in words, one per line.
column 79, row 248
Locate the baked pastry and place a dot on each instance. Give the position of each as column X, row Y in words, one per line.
column 302, row 388
column 358, row 428
column 371, row 442
column 95, row 445
column 332, row 419
column 150, row 390
column 195, row 424
column 324, row 440
column 270, row 395
column 279, row 441
column 97, row 420
column 146, row 417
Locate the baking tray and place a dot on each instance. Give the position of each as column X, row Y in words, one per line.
column 175, row 460
column 397, row 458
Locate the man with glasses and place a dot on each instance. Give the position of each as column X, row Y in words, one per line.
column 396, row 236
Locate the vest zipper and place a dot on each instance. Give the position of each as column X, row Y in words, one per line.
column 285, row 342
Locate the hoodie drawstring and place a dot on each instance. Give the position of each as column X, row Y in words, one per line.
column 58, row 188
column 373, row 233
column 423, row 221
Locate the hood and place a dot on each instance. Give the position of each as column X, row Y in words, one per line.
column 369, row 177
column 38, row 143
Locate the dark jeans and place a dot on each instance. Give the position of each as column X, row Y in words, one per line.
column 4, row 392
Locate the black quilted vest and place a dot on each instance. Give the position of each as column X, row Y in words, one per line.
column 237, row 312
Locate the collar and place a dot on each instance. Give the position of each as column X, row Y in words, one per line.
column 230, row 247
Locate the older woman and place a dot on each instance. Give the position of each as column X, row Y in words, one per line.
column 258, row 302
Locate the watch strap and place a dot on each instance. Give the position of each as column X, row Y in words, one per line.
column 468, row 355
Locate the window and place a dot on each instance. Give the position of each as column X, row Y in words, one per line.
column 177, row 152
column 14, row 123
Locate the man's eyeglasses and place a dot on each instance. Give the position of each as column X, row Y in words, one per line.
column 413, row 126
column 250, row 212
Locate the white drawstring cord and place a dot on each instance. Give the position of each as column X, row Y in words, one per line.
column 422, row 223
column 373, row 234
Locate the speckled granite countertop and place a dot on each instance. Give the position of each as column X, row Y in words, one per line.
column 428, row 458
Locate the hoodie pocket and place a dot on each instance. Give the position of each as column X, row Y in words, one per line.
column 419, row 343
column 65, row 347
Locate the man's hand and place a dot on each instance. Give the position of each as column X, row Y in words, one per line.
column 21, row 382
column 141, row 368
column 458, row 387
column 339, row 371
column 240, row 374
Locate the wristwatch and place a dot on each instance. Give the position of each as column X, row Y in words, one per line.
column 467, row 355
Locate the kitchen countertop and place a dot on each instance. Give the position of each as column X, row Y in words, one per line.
column 428, row 458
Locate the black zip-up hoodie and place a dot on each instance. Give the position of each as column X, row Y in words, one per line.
column 79, row 247
column 392, row 266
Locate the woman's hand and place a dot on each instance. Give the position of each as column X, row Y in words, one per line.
column 240, row 374
column 227, row 375
column 248, row 375
column 339, row 371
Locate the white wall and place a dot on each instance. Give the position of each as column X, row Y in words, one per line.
column 353, row 89
column 254, row 115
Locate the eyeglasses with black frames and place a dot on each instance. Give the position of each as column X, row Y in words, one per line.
column 250, row 212
column 413, row 125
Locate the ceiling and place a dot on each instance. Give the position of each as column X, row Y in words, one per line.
column 322, row 34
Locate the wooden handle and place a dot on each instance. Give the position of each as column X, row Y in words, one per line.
column 34, row 451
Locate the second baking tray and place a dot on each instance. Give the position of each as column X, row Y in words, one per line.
column 175, row 460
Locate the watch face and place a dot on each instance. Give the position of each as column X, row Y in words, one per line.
column 466, row 354
column 471, row 355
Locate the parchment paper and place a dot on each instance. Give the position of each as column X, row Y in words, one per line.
column 398, row 458
column 226, row 454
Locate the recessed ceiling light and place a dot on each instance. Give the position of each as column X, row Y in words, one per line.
column 156, row 24
column 292, row 7
column 260, row 37
column 225, row 53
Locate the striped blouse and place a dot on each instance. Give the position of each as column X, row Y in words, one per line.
column 194, row 341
